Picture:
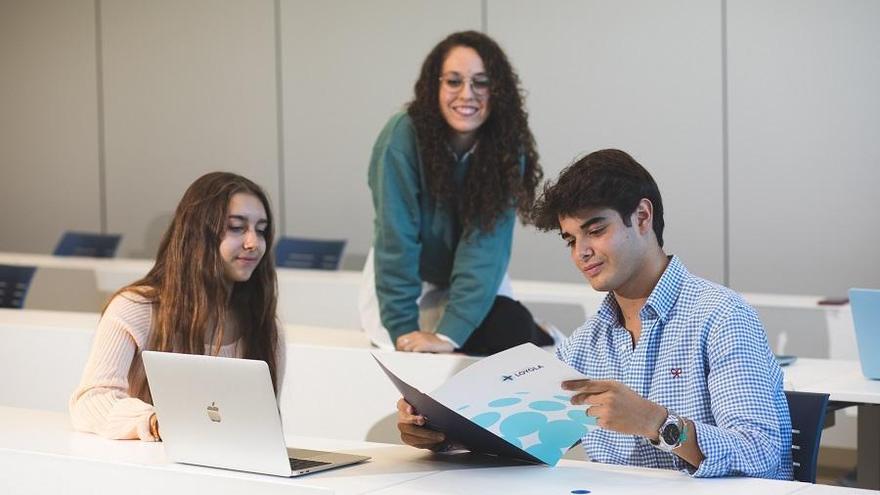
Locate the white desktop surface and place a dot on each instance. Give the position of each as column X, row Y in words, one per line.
column 833, row 490
column 40, row 454
column 84, row 262
column 843, row 379
column 302, row 293
column 599, row 479
column 335, row 363
column 327, row 337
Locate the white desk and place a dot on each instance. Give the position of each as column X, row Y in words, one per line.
column 325, row 298
column 305, row 297
column 110, row 273
column 329, row 298
column 39, row 454
column 843, row 380
column 43, row 354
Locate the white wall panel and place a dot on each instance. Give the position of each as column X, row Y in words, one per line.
column 638, row 75
column 48, row 123
column 347, row 67
column 804, row 145
column 189, row 88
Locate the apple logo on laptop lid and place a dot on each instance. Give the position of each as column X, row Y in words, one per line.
column 214, row 413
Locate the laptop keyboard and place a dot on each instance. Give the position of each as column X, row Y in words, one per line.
column 297, row 464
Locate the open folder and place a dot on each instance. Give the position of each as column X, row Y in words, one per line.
column 509, row 404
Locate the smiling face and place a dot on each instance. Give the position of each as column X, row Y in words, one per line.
column 463, row 109
column 244, row 241
column 609, row 254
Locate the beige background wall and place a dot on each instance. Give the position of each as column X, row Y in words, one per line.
column 804, row 145
column 759, row 119
column 641, row 76
column 49, row 174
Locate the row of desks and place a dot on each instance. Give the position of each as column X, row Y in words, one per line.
column 40, row 454
column 344, row 354
column 43, row 353
column 349, row 398
column 847, row 386
column 303, row 294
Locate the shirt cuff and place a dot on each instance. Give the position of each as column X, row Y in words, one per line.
column 455, row 327
column 403, row 328
column 128, row 419
column 716, row 449
column 446, row 338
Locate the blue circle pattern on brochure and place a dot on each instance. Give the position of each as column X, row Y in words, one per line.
column 544, row 427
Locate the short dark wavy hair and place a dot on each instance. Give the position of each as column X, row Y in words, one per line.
column 603, row 179
column 495, row 179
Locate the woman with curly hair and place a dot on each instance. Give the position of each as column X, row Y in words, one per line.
column 448, row 177
column 211, row 291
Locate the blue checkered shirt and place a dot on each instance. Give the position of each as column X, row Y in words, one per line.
column 702, row 354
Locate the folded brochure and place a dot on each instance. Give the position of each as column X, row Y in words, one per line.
column 508, row 404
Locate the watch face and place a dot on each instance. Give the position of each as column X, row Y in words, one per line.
column 671, row 433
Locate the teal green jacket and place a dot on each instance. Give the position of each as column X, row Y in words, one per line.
column 414, row 240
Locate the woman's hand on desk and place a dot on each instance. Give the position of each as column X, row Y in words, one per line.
column 154, row 428
column 419, row 341
column 413, row 431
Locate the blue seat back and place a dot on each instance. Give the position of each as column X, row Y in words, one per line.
column 298, row 252
column 807, row 412
column 87, row 244
column 14, row 284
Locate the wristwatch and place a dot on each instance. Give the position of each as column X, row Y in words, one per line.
column 672, row 432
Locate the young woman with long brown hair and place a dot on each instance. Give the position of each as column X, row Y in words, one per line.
column 212, row 291
column 448, row 177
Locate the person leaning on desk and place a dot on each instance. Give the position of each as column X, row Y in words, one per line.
column 684, row 377
column 448, row 177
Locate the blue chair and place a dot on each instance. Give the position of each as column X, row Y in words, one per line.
column 299, row 252
column 14, row 284
column 87, row 244
column 807, row 412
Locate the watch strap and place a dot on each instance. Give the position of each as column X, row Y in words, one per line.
column 681, row 425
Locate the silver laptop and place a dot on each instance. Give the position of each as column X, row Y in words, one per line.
column 222, row 412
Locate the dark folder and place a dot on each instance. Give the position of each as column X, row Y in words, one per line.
column 456, row 427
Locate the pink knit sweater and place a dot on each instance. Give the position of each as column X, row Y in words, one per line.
column 113, row 399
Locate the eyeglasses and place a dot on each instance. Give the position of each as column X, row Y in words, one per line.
column 454, row 83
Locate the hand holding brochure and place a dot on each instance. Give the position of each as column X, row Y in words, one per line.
column 507, row 404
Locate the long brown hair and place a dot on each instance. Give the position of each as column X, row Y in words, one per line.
column 495, row 179
column 187, row 284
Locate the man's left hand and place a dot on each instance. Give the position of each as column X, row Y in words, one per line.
column 618, row 408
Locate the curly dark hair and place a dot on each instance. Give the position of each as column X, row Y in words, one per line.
column 603, row 179
column 495, row 178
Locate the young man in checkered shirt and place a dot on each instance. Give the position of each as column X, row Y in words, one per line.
column 681, row 375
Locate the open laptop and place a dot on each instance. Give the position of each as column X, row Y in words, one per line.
column 865, row 304
column 222, row 412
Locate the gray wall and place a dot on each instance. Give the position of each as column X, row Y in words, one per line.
column 804, row 145
column 49, row 174
column 758, row 118
column 189, row 87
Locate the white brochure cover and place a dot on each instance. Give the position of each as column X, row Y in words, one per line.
column 516, row 395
